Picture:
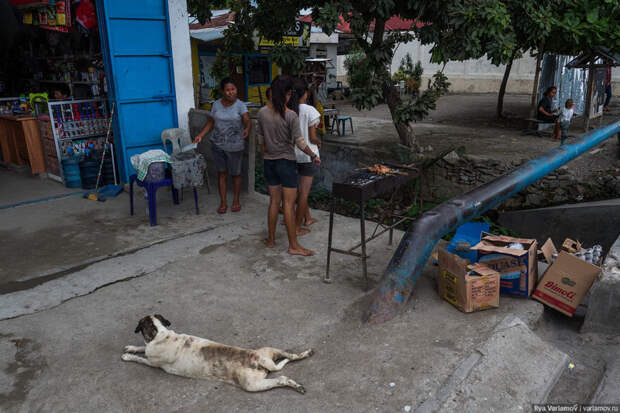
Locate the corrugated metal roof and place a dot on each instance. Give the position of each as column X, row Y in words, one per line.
column 584, row 59
column 220, row 18
column 394, row 23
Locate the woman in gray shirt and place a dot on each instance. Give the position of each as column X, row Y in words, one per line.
column 279, row 133
column 230, row 123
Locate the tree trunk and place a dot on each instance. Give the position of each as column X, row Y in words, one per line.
column 534, row 102
column 390, row 93
column 502, row 88
column 405, row 131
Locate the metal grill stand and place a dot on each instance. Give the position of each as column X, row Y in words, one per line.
column 360, row 188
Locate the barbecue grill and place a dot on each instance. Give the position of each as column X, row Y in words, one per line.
column 360, row 187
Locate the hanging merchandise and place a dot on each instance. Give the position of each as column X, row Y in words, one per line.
column 58, row 16
column 28, row 17
column 85, row 15
column 61, row 16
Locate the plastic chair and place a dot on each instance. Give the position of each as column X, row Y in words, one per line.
column 342, row 122
column 178, row 137
column 151, row 189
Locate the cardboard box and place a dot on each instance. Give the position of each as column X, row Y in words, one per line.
column 565, row 283
column 548, row 251
column 571, row 246
column 467, row 292
column 518, row 268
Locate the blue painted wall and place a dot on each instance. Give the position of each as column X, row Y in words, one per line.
column 135, row 38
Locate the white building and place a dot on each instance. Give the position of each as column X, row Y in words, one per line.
column 470, row 76
column 324, row 46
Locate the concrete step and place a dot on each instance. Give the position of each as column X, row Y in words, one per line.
column 577, row 384
column 607, row 390
column 589, row 222
column 508, row 372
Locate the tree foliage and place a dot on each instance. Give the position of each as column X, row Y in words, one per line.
column 367, row 18
column 457, row 29
column 505, row 30
column 288, row 58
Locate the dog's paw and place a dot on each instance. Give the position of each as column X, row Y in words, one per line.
column 133, row 349
column 301, row 389
column 309, row 352
column 126, row 357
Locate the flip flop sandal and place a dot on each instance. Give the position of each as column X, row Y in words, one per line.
column 236, row 208
column 222, row 210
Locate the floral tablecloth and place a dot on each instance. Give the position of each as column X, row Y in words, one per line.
column 188, row 169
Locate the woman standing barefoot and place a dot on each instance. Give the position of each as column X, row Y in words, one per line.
column 309, row 118
column 279, row 132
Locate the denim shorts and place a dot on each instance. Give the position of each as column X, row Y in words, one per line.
column 306, row 169
column 281, row 172
column 227, row 161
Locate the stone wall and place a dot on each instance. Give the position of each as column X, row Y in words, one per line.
column 456, row 174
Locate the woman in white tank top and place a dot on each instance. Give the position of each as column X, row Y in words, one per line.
column 309, row 119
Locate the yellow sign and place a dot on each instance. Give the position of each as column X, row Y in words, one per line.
column 287, row 40
column 299, row 36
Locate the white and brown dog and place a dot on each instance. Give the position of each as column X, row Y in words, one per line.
column 200, row 358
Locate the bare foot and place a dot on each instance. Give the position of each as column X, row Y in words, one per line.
column 302, row 231
column 269, row 243
column 300, row 251
column 310, row 221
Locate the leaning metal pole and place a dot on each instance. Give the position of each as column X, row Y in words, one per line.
column 405, row 267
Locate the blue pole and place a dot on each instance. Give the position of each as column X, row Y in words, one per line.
column 405, row 267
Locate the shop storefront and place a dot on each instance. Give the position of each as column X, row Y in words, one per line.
column 72, row 64
column 252, row 72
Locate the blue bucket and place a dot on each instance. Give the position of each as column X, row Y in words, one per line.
column 71, row 171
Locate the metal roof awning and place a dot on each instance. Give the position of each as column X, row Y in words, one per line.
column 585, row 59
column 208, row 34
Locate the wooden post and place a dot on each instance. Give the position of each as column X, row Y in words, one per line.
column 534, row 102
column 588, row 108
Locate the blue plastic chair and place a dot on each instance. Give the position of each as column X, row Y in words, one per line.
column 342, row 122
column 151, row 189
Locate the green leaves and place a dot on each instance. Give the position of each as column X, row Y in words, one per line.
column 219, row 70
column 419, row 106
column 592, row 16
column 290, row 59
column 366, row 85
column 327, row 17
column 201, row 9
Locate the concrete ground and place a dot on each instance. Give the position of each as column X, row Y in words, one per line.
column 67, row 358
column 468, row 121
column 62, row 339
column 48, row 237
column 77, row 275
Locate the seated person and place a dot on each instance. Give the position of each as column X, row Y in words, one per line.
column 544, row 111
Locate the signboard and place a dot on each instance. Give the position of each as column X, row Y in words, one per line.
column 298, row 36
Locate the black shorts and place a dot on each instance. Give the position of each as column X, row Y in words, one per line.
column 227, row 161
column 281, row 172
column 306, row 169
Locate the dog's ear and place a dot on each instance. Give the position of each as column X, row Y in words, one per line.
column 139, row 327
column 161, row 318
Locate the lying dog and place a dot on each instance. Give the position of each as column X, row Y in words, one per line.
column 200, row 358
